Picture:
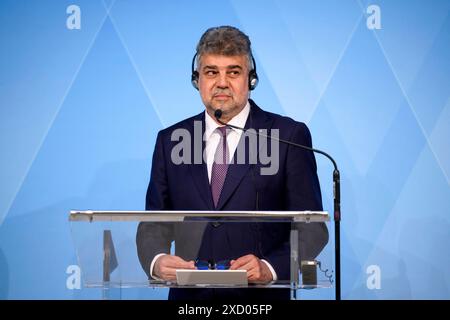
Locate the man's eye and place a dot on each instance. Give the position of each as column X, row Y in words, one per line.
column 234, row 73
column 210, row 73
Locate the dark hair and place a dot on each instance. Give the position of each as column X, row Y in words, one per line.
column 225, row 40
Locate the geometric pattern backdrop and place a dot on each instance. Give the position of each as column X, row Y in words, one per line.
column 80, row 110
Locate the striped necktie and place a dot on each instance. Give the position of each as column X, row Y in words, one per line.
column 220, row 165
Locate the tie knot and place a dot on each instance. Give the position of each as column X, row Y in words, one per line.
column 222, row 130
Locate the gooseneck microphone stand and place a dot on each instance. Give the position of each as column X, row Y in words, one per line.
column 336, row 196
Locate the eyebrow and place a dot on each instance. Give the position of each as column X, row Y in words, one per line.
column 228, row 67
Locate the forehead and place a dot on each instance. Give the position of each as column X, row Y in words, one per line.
column 221, row 61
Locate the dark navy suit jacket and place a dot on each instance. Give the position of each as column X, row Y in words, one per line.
column 186, row 187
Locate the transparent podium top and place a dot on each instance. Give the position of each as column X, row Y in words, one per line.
column 118, row 248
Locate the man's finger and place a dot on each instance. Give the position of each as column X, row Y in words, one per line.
column 249, row 266
column 241, row 261
column 168, row 273
column 179, row 263
column 251, row 275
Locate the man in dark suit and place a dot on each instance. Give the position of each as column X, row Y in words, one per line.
column 224, row 76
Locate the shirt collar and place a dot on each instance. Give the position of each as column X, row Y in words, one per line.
column 238, row 120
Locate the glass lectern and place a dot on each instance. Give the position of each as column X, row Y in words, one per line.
column 107, row 253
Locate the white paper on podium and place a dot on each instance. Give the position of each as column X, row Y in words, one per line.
column 211, row 277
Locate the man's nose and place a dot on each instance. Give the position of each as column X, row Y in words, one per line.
column 222, row 81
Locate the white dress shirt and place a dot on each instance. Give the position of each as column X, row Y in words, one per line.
column 212, row 139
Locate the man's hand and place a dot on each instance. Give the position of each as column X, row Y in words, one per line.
column 257, row 270
column 166, row 265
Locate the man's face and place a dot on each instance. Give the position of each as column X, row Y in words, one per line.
column 223, row 83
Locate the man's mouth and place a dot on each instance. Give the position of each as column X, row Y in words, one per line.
column 221, row 96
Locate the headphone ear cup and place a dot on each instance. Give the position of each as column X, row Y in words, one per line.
column 194, row 79
column 252, row 80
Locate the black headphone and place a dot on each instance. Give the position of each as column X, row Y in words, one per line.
column 252, row 75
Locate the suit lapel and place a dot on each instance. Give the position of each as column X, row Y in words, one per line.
column 257, row 119
column 199, row 172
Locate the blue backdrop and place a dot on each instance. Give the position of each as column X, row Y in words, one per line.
column 80, row 109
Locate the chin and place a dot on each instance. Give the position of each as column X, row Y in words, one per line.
column 225, row 107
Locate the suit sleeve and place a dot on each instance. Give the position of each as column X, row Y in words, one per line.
column 153, row 238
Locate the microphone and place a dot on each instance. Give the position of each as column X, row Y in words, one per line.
column 218, row 115
column 336, row 194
